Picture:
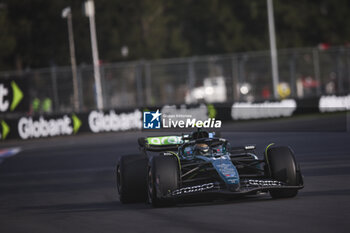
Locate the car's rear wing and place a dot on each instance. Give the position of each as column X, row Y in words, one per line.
column 161, row 143
column 172, row 142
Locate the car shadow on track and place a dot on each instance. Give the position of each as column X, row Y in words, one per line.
column 337, row 192
column 225, row 201
column 117, row 206
column 86, row 207
column 265, row 198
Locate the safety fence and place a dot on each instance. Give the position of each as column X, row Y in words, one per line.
column 240, row 77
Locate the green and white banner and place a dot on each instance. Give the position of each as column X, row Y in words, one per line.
column 12, row 96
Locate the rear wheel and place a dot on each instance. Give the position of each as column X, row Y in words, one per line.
column 132, row 178
column 163, row 178
column 283, row 167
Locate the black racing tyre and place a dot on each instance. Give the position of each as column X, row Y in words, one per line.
column 163, row 178
column 132, row 178
column 283, row 167
column 141, row 141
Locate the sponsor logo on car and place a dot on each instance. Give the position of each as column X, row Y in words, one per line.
column 193, row 189
column 264, row 183
column 166, row 140
column 225, row 168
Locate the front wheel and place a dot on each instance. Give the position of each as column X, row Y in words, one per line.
column 283, row 167
column 163, row 178
column 131, row 174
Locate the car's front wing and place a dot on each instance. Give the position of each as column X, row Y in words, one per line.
column 247, row 186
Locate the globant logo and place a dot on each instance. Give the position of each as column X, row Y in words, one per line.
column 244, row 111
column 29, row 128
column 100, row 122
column 5, row 130
column 17, row 96
column 152, row 120
column 334, row 103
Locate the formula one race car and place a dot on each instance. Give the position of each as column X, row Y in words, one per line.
column 172, row 168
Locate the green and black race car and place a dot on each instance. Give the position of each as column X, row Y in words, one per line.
column 171, row 168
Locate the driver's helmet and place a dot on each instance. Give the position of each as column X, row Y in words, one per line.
column 202, row 148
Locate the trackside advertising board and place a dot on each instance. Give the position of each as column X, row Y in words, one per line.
column 40, row 127
column 155, row 118
column 13, row 93
column 45, row 126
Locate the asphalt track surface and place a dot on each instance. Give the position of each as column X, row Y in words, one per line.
column 67, row 185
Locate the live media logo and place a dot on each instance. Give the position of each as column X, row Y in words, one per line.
column 151, row 120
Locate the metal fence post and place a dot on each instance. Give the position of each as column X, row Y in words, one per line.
column 54, row 88
column 241, row 72
column 273, row 48
column 235, row 82
column 106, row 103
column 339, row 74
column 292, row 75
column 148, row 83
column 80, row 89
column 191, row 74
column 316, row 59
column 139, row 91
column 348, row 66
